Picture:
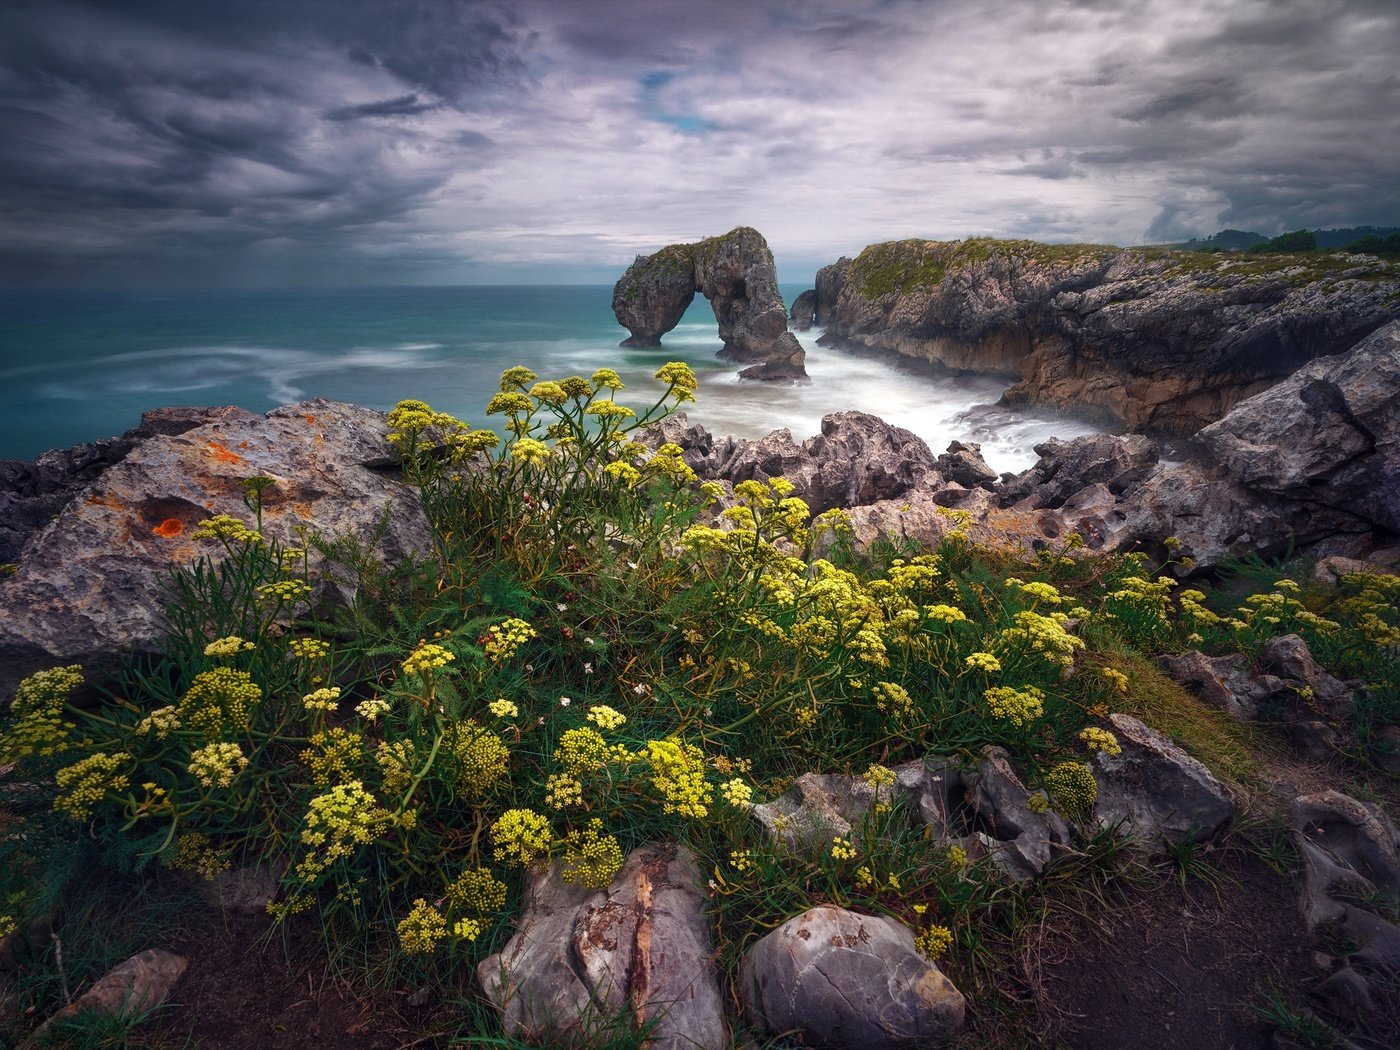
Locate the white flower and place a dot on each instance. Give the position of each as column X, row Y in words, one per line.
column 587, row 668
column 561, row 607
column 564, row 701
column 588, row 641
column 640, row 689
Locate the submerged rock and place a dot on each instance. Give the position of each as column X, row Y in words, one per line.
column 735, row 273
column 834, row 978
column 91, row 585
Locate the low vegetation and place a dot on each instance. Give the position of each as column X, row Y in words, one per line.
column 600, row 651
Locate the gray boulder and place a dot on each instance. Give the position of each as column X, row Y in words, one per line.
column 91, row 584
column 1156, row 792
column 1227, row 683
column 639, row 949
column 834, row 978
column 963, row 465
column 1067, row 467
column 131, row 988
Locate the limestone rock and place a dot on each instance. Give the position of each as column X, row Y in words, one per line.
column 1329, row 434
column 90, row 585
column 735, row 273
column 1227, row 683
column 834, row 978
column 963, row 465
column 830, row 280
column 1067, row 467
column 1155, row 791
column 638, row 948
column 240, row 891
column 804, row 309
column 133, row 987
column 817, row 808
column 1155, row 341
column 1349, row 850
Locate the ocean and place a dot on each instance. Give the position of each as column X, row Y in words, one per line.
column 81, row 365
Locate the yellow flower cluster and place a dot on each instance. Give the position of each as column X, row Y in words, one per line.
column 583, row 750
column 371, row 709
column 624, row 472
column 521, row 835
column 226, row 647
column 421, row 929
column 742, row 859
column 841, row 849
column 162, row 722
column 605, row 717
column 218, row 701
column 481, row 756
column 503, row 708
column 309, row 648
column 680, row 378
column 957, row 856
column 1116, row 679
column 1020, row 707
column 933, row 941
column 86, row 783
column 1039, row 591
column 284, row 591
column 396, row 760
column 945, row 614
column 39, row 727
column 1096, row 739
column 667, row 462
column 591, row 857
column 195, row 852
column 737, row 793
column 678, row 774
column 983, row 662
column 427, row 658
column 892, row 698
column 1043, row 635
column 478, row 891
column 530, row 451
column 562, row 790
column 326, row 698
column 504, row 639
column 1073, row 785
column 339, row 822
column 224, row 527
column 334, row 755
column 215, row 765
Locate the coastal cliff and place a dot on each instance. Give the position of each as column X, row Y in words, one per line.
column 735, row 273
column 1148, row 339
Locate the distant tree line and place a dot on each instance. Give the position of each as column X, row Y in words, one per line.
column 1370, row 240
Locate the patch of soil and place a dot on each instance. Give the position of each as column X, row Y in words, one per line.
column 1177, row 967
column 242, row 992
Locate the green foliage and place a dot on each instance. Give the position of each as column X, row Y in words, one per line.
column 1296, row 241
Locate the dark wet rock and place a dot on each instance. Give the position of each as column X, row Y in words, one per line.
column 735, row 273
column 1345, row 993
column 1327, row 435
column 804, row 310
column 640, row 948
column 1351, row 863
column 836, row 978
column 1154, row 791
column 963, row 465
column 1067, row 467
column 91, row 584
column 830, row 280
column 1153, row 340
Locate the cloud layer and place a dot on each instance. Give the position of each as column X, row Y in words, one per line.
column 348, row 141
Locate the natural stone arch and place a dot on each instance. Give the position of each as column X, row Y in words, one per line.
column 735, row 273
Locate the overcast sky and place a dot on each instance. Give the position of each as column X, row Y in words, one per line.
column 470, row 141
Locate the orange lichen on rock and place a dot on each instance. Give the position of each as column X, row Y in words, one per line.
column 309, row 418
column 221, row 453
column 169, row 528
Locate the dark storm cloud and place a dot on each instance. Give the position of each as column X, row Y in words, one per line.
column 442, row 139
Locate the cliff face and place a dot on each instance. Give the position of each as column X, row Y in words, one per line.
column 1148, row 339
column 735, row 273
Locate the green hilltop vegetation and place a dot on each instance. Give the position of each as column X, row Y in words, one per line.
column 599, row 651
column 1368, row 239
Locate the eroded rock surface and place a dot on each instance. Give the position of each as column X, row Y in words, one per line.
column 1156, row 792
column 835, row 978
column 735, row 273
column 641, row 948
column 136, row 986
column 91, row 583
column 1150, row 339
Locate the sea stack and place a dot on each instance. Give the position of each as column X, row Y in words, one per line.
column 735, row 273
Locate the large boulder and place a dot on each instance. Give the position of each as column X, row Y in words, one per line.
column 639, row 949
column 735, row 273
column 1066, row 468
column 91, row 585
column 834, row 978
column 1328, row 435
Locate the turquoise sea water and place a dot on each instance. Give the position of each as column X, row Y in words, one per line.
column 80, row 365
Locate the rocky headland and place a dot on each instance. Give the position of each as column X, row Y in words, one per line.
column 1147, row 340
column 735, row 273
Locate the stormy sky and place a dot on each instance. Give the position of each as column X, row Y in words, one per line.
column 264, row 142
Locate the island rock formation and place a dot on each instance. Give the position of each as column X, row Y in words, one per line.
column 1149, row 339
column 735, row 273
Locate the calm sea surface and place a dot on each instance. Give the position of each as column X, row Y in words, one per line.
column 76, row 366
